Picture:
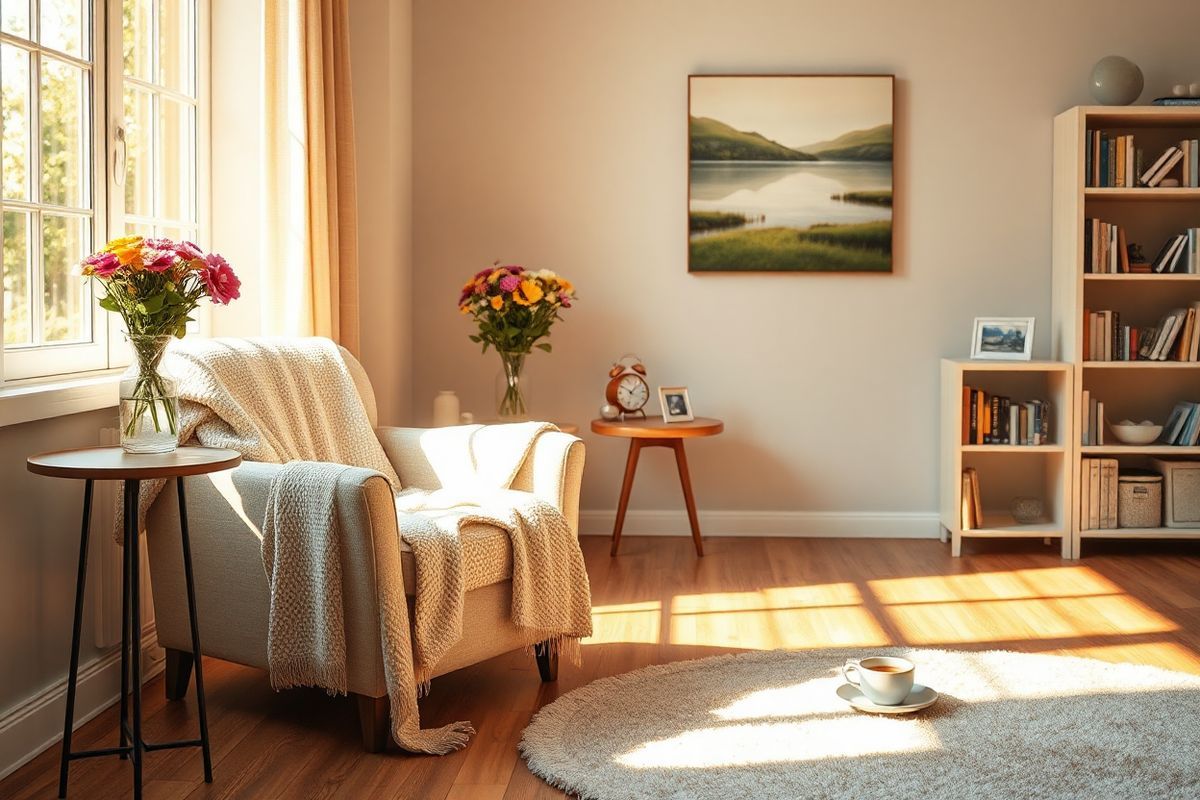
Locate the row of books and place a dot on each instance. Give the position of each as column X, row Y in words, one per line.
column 1111, row 160
column 972, row 505
column 1183, row 425
column 1098, row 493
column 993, row 419
column 1092, row 424
column 1115, row 161
column 1179, row 254
column 1106, row 251
column 1176, row 337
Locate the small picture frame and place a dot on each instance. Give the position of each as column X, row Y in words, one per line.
column 1002, row 339
column 676, row 406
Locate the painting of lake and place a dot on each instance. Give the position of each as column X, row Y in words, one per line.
column 790, row 174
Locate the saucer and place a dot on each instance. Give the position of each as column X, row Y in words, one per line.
column 920, row 697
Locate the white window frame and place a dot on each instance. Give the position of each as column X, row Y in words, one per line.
column 108, row 350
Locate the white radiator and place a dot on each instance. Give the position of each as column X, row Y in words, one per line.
column 105, row 579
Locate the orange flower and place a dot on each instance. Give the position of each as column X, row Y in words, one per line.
column 528, row 293
column 497, row 302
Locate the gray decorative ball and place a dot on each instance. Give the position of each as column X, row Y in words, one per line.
column 1116, row 81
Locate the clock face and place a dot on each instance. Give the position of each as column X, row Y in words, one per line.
column 632, row 392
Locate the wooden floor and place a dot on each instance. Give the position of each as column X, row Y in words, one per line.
column 657, row 602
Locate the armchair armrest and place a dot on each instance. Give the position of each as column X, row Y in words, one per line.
column 225, row 515
column 553, row 471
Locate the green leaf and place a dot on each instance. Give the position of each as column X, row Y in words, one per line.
column 108, row 304
column 475, row 339
column 152, row 305
column 543, row 346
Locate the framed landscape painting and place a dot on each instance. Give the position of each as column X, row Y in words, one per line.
column 790, row 173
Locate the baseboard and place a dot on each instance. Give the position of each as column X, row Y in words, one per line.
column 816, row 524
column 31, row 727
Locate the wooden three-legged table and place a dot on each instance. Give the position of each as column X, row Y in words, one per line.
column 653, row 432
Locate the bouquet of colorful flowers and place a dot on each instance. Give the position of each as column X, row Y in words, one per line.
column 155, row 284
column 514, row 309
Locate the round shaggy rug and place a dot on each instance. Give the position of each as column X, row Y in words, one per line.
column 769, row 725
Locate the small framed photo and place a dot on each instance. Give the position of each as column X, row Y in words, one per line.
column 1003, row 338
column 676, row 407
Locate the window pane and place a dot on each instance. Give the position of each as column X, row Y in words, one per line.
column 14, row 97
column 175, row 160
column 175, row 45
column 137, row 41
column 64, row 135
column 139, row 178
column 17, row 329
column 133, row 228
column 63, row 26
column 66, row 297
column 14, row 17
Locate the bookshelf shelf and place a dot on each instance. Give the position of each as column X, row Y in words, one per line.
column 1140, row 277
column 1006, row 471
column 1138, row 450
column 1013, row 448
column 1141, row 194
column 1141, row 364
column 1136, row 389
column 1141, row 533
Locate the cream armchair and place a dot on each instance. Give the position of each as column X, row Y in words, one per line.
column 225, row 512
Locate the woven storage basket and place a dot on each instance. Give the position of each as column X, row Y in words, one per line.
column 1139, row 499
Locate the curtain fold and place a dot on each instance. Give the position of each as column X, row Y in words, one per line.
column 310, row 241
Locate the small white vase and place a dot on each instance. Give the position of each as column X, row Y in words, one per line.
column 445, row 409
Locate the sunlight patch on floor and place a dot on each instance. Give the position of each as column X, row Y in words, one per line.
column 1168, row 655
column 634, row 623
column 1017, row 584
column 788, row 617
column 782, row 742
column 1007, row 620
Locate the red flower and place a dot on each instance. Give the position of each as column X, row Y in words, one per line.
column 223, row 285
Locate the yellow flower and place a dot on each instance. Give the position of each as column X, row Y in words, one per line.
column 565, row 286
column 464, row 308
column 528, row 293
column 122, row 243
column 497, row 302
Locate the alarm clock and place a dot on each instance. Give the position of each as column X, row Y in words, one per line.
column 627, row 388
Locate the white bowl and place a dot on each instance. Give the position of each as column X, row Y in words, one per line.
column 1143, row 432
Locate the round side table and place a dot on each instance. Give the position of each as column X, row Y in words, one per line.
column 112, row 463
column 654, row 432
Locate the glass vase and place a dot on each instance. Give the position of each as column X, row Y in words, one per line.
column 149, row 400
column 511, row 388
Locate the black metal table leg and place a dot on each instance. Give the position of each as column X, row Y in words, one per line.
column 197, row 658
column 135, row 651
column 123, row 723
column 73, row 670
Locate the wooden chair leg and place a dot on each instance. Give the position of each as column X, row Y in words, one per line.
column 374, row 721
column 177, row 673
column 547, row 661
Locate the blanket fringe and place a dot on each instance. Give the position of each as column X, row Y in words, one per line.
column 560, row 645
column 436, row 741
column 308, row 671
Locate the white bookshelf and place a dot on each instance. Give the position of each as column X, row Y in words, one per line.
column 1007, row 471
column 1129, row 389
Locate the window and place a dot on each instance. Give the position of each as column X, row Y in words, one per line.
column 69, row 181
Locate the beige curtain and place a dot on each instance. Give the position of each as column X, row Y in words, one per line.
column 310, row 245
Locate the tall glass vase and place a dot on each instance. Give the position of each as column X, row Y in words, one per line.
column 149, row 400
column 511, row 388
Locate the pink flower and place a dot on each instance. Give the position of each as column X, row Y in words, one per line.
column 188, row 251
column 513, row 268
column 101, row 264
column 223, row 285
column 564, row 301
column 156, row 260
column 483, row 273
column 509, row 283
column 160, row 243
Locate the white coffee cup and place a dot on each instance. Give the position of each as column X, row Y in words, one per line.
column 885, row 680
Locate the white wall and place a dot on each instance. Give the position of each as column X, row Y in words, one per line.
column 552, row 134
